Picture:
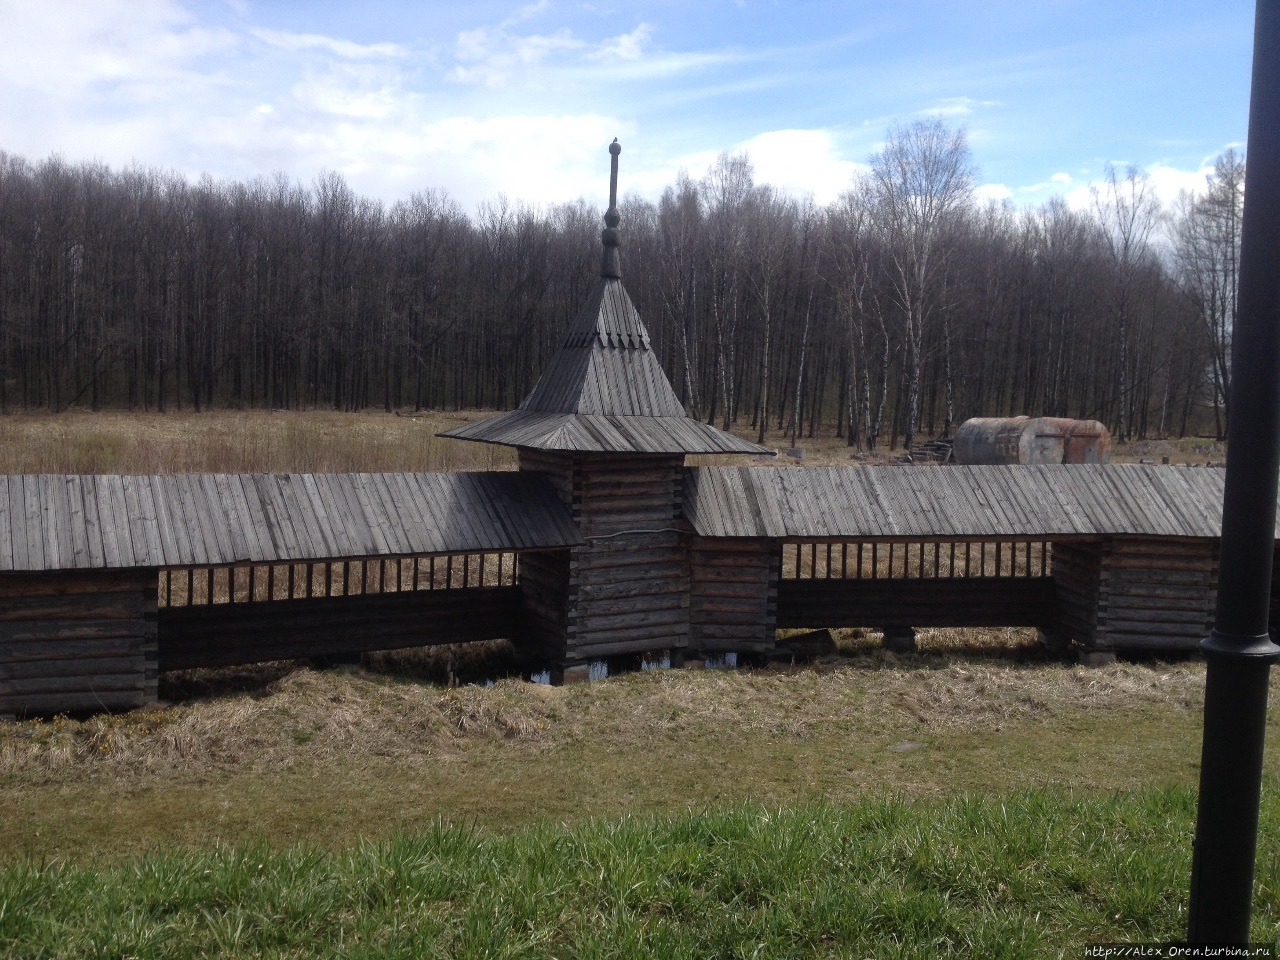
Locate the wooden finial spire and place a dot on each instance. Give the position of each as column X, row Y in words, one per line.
column 611, row 263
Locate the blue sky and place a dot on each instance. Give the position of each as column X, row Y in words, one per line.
column 483, row 98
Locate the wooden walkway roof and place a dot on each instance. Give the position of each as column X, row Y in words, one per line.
column 56, row 522
column 954, row 501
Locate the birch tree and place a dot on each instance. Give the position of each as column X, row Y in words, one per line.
column 921, row 184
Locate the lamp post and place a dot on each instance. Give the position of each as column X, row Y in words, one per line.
column 1239, row 651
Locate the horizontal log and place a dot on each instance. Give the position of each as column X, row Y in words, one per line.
column 44, row 704
column 617, row 561
column 616, row 648
column 757, row 575
column 634, row 632
column 22, row 632
column 99, row 683
column 21, row 652
column 1156, row 557
column 65, row 582
column 114, row 605
column 716, row 631
column 727, row 589
column 73, row 667
column 596, row 610
column 1197, row 602
column 707, row 606
column 1174, row 628
column 652, row 585
column 638, row 618
column 734, row 545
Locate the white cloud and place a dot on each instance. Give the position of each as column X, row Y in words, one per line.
column 492, row 57
column 527, row 12
column 1169, row 181
column 350, row 90
column 315, row 41
column 60, row 48
column 800, row 162
column 625, row 46
column 989, row 192
column 955, row 107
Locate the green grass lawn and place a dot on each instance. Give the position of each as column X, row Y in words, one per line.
column 1034, row 873
column 974, row 804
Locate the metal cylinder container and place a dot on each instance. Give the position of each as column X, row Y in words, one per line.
column 1026, row 440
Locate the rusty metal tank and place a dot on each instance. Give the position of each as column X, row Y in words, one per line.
column 1032, row 440
column 1008, row 440
column 1084, row 441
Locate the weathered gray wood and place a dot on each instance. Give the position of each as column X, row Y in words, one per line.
column 70, row 667
column 125, row 604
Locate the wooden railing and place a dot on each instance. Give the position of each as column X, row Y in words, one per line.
column 881, row 560
column 254, row 583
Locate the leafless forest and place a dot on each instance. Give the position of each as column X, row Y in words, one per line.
column 898, row 311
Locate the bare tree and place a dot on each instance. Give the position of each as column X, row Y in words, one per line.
column 1208, row 256
column 1128, row 210
column 921, row 184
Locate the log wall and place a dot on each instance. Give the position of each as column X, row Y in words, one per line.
column 1077, row 578
column 1160, row 593
column 627, row 587
column 1133, row 593
column 733, row 595
column 77, row 640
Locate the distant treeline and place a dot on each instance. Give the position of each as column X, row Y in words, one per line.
column 903, row 308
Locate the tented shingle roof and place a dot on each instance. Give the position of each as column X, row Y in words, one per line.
column 604, row 390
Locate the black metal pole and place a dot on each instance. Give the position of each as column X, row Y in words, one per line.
column 1240, row 651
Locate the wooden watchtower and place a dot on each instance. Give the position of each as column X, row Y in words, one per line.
column 604, row 424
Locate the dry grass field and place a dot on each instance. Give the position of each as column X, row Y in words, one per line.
column 324, row 441
column 284, row 753
column 234, row 441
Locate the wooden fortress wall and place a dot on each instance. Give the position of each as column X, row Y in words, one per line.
column 1135, row 593
column 626, row 590
column 77, row 640
column 733, row 595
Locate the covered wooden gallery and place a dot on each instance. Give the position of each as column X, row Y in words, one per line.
column 603, row 544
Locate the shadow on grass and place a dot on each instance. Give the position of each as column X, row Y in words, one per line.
column 447, row 665
column 481, row 662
